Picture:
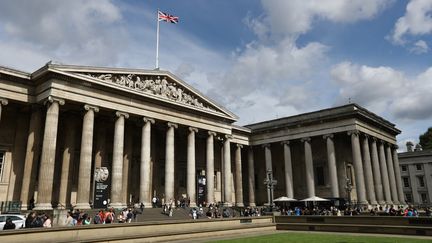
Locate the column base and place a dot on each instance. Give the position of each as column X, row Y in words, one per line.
column 227, row 204
column 24, row 207
column 374, row 203
column 82, row 206
column 396, row 202
column 117, row 205
column 192, row 204
column 147, row 205
column 240, row 205
column 43, row 206
column 252, row 205
column 381, row 202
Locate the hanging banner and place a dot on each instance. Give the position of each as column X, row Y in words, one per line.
column 201, row 195
column 101, row 192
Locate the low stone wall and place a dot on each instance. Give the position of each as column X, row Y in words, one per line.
column 129, row 231
column 357, row 224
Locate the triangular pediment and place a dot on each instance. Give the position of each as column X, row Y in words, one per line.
column 160, row 85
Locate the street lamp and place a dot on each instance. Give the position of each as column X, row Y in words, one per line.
column 270, row 183
column 348, row 188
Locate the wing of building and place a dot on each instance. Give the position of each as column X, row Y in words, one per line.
column 91, row 136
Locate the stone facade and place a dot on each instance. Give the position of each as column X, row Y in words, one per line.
column 156, row 134
column 416, row 175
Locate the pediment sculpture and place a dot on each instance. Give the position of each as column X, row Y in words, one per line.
column 155, row 85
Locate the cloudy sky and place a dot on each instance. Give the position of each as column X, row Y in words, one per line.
column 260, row 59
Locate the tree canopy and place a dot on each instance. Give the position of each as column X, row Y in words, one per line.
column 426, row 139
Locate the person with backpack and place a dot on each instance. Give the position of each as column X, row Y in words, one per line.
column 108, row 217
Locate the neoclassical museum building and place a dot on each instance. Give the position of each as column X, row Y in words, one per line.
column 69, row 133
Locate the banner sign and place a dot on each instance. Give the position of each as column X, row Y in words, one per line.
column 201, row 190
column 102, row 187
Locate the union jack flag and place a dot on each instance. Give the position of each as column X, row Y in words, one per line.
column 167, row 17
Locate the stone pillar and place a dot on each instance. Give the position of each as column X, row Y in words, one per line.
column 3, row 102
column 117, row 164
column 288, row 169
column 414, row 184
column 191, row 171
column 84, row 178
column 145, row 168
column 251, row 177
column 127, row 162
column 227, row 171
column 238, row 177
column 331, row 163
column 210, row 167
column 384, row 173
column 377, row 173
column 100, row 153
column 392, row 177
column 67, row 162
column 398, row 176
column 46, row 169
column 310, row 179
column 358, row 167
column 268, row 162
column 31, row 157
column 169, row 162
column 368, row 171
column 219, row 181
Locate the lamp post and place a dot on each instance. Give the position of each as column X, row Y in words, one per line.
column 270, row 183
column 348, row 188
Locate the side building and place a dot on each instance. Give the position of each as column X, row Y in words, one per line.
column 145, row 133
column 416, row 172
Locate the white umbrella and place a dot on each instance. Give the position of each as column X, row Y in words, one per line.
column 315, row 199
column 284, row 199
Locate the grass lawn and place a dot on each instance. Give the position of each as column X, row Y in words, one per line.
column 320, row 238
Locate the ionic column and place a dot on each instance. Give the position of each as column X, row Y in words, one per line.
column 398, row 175
column 46, row 169
column 169, row 162
column 392, row 177
column 251, row 177
column 67, row 161
column 331, row 163
column 377, row 173
column 84, row 178
column 368, row 171
column 145, row 166
column 127, row 161
column 31, row 157
column 288, row 169
column 268, row 162
column 384, row 173
column 358, row 167
column 117, row 164
column 191, row 187
column 238, row 177
column 3, row 102
column 227, row 171
column 310, row 179
column 210, row 167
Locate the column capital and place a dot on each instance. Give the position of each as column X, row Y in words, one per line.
column 366, row 135
column 52, row 99
column 353, row 132
column 146, row 120
column 228, row 136
column 174, row 125
column 193, row 129
column 4, row 101
column 124, row 114
column 374, row 139
column 267, row 145
column 239, row 145
column 330, row 135
column 211, row 133
column 395, row 146
column 88, row 107
column 306, row 139
column 286, row 142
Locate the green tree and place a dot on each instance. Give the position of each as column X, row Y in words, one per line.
column 426, row 139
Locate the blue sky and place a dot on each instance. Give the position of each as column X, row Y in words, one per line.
column 260, row 59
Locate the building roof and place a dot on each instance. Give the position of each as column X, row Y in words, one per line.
column 422, row 153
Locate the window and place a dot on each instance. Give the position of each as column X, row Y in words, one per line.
column 2, row 162
column 423, row 197
column 408, row 197
column 420, row 180
column 403, row 168
column 406, row 181
column 320, row 175
column 418, row 166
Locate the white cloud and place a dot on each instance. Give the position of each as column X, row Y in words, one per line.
column 297, row 16
column 420, row 47
column 416, row 21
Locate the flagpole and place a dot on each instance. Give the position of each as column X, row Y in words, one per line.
column 157, row 41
